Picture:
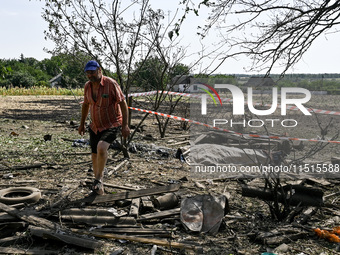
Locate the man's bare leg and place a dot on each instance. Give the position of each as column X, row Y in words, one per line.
column 99, row 160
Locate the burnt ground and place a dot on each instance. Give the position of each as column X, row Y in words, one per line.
column 62, row 170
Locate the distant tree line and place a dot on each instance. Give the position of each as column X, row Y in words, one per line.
column 28, row 72
column 332, row 86
column 329, row 82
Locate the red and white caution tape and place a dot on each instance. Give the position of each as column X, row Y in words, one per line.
column 143, row 93
column 230, row 131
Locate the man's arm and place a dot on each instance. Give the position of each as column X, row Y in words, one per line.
column 84, row 112
column 125, row 113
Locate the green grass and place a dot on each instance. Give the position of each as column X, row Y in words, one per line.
column 37, row 91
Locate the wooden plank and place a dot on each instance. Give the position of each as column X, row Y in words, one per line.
column 89, row 183
column 119, row 166
column 66, row 238
column 87, row 212
column 134, row 208
column 118, row 186
column 156, row 241
column 131, row 194
column 136, row 231
column 37, row 221
column 161, row 214
column 179, row 143
column 94, row 220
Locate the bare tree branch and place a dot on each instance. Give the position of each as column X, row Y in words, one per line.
column 272, row 33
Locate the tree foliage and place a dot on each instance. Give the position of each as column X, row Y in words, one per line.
column 153, row 74
column 115, row 33
column 29, row 72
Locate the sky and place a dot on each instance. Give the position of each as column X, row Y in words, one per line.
column 23, row 28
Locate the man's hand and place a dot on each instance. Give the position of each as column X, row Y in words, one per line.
column 81, row 129
column 125, row 131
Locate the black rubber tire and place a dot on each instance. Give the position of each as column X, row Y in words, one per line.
column 18, row 195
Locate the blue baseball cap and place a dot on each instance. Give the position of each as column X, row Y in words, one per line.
column 91, row 65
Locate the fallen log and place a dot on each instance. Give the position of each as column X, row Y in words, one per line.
column 131, row 194
column 66, row 238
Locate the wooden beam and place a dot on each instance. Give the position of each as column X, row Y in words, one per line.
column 66, row 238
column 131, row 194
column 25, row 216
column 118, row 186
column 119, row 166
column 94, row 220
column 137, row 231
column 156, row 241
column 161, row 214
column 134, row 208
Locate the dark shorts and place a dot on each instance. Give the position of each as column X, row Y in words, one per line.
column 108, row 135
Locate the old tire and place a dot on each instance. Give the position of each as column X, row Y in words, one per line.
column 18, row 195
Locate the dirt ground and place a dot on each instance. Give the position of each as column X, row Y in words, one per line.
column 26, row 120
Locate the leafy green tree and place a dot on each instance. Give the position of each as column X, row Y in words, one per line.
column 179, row 69
column 71, row 67
column 23, row 79
column 154, row 74
column 5, row 71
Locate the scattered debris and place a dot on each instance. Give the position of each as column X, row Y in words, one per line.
column 204, row 213
column 290, row 194
column 18, row 195
column 147, row 206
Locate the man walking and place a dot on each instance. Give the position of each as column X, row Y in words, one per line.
column 105, row 101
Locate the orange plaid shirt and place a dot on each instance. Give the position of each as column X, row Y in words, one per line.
column 105, row 112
